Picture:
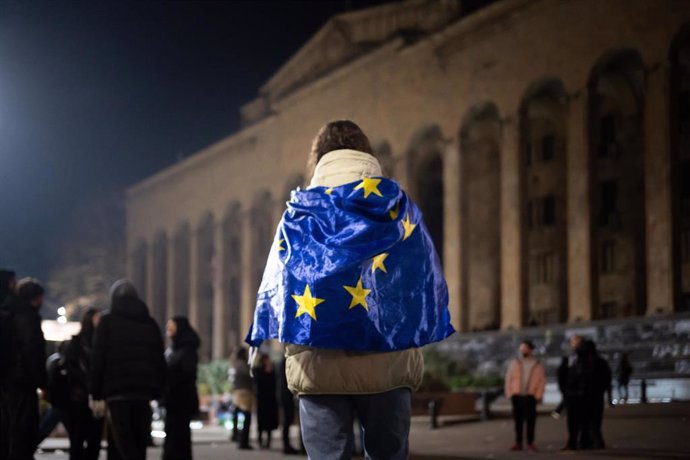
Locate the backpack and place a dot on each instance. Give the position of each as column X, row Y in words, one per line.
column 6, row 344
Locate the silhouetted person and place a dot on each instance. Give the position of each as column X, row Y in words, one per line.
column 287, row 407
column 577, row 373
column 600, row 388
column 85, row 430
column 57, row 394
column 24, row 373
column 242, row 388
column 180, row 397
column 524, row 387
column 128, row 370
column 561, row 377
column 8, row 284
column 266, row 401
column 623, row 374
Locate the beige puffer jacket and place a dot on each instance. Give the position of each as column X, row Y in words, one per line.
column 320, row 371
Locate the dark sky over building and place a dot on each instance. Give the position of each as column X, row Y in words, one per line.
column 95, row 96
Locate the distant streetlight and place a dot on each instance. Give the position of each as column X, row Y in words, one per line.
column 62, row 311
column 62, row 319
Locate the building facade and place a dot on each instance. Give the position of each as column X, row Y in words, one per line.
column 546, row 141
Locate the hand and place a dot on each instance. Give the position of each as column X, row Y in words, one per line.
column 98, row 408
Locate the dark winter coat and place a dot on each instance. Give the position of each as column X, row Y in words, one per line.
column 180, row 394
column 577, row 376
column 27, row 365
column 78, row 366
column 128, row 360
column 266, row 399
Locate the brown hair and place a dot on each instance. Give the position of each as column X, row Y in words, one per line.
column 335, row 135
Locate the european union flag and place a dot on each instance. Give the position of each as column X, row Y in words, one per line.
column 352, row 268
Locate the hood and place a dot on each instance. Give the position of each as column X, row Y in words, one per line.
column 129, row 307
column 343, row 166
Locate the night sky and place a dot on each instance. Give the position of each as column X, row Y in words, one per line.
column 97, row 95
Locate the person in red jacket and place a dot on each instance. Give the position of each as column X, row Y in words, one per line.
column 524, row 386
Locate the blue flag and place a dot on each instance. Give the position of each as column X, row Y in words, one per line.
column 352, row 268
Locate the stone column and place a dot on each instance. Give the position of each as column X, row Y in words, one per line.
column 511, row 232
column 248, row 294
column 578, row 212
column 194, row 277
column 219, row 294
column 657, row 166
column 451, row 230
column 170, row 277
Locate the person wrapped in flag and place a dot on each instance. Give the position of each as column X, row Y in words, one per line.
column 353, row 286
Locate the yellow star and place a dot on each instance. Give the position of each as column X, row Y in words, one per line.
column 408, row 226
column 307, row 303
column 394, row 212
column 329, row 191
column 359, row 295
column 370, row 186
column 378, row 263
column 280, row 245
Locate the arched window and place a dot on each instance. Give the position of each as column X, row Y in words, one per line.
column 232, row 269
column 543, row 162
column 205, row 282
column 263, row 229
column 426, row 163
column 159, row 297
column 480, row 136
column 139, row 266
column 617, row 185
column 181, row 261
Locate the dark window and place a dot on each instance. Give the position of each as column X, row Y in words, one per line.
column 530, row 215
column 608, row 257
column 608, row 310
column 609, row 202
column 548, row 147
column 549, row 211
column 607, row 143
column 528, row 153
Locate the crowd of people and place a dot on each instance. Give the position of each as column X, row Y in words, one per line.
column 100, row 383
column 106, row 375
column 584, row 380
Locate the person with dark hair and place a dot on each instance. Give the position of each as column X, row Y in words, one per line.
column 524, row 386
column 266, row 401
column 623, row 374
column 577, row 376
column 560, row 378
column 180, row 398
column 599, row 390
column 353, row 237
column 57, row 393
column 85, row 430
column 242, row 391
column 25, row 372
column 127, row 370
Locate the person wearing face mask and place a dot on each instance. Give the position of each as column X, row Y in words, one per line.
column 524, row 387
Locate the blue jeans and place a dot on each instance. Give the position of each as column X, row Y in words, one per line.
column 327, row 422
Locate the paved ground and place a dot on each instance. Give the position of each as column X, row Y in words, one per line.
column 659, row 431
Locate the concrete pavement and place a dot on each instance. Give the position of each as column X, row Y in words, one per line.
column 655, row 431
